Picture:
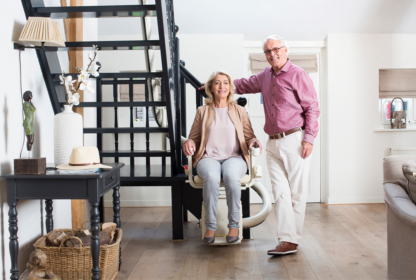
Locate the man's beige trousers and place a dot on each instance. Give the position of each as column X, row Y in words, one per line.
column 289, row 174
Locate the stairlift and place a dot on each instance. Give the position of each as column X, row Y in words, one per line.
column 247, row 181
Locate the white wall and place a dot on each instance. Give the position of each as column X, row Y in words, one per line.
column 12, row 21
column 354, row 151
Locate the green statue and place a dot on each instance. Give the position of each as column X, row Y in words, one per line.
column 29, row 111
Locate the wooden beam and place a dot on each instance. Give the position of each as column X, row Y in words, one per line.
column 67, row 23
column 74, row 32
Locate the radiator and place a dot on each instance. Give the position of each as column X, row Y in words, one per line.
column 403, row 151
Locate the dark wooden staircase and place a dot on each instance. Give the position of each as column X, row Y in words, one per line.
column 174, row 78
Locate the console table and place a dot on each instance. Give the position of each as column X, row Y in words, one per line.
column 63, row 186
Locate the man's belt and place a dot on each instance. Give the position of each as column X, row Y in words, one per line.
column 284, row 134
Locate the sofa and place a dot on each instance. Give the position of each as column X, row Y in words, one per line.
column 401, row 216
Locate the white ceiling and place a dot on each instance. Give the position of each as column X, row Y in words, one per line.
column 292, row 19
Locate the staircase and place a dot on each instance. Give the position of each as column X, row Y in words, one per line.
column 169, row 111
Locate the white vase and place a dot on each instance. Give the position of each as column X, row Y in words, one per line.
column 68, row 132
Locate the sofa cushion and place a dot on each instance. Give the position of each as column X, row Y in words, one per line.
column 409, row 168
column 398, row 200
column 392, row 169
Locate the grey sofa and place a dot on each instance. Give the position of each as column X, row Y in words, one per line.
column 401, row 220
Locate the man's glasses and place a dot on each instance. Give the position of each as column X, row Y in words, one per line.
column 275, row 50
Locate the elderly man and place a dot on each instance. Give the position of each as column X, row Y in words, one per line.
column 291, row 111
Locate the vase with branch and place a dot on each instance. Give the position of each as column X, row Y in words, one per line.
column 68, row 126
column 84, row 81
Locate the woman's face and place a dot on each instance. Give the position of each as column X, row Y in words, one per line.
column 220, row 87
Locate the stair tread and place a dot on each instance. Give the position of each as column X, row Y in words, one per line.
column 120, row 104
column 140, row 171
column 96, row 11
column 104, row 75
column 108, row 45
column 125, row 153
column 127, row 130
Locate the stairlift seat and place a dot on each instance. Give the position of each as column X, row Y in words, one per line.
column 244, row 180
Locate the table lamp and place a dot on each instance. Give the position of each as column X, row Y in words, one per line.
column 41, row 32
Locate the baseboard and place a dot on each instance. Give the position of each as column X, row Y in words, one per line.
column 354, row 200
column 139, row 203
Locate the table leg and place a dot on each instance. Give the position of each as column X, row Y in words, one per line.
column 13, row 243
column 95, row 244
column 116, row 206
column 116, row 216
column 49, row 216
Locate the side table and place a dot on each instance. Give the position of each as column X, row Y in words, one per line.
column 63, row 186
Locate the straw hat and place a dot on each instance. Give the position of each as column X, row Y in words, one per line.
column 82, row 157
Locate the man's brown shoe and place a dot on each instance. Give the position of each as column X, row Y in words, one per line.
column 283, row 248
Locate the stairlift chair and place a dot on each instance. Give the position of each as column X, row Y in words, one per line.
column 247, row 181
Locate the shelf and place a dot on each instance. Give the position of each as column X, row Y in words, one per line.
column 387, row 128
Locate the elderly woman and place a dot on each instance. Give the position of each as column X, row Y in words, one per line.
column 221, row 135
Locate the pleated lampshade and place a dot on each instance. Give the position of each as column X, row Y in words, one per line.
column 42, row 29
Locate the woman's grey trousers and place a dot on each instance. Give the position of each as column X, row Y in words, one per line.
column 210, row 171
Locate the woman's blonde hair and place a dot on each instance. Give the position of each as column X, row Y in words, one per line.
column 211, row 97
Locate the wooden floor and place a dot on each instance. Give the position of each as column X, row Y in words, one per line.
column 339, row 242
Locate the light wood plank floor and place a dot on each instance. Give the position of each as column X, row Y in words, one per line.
column 339, row 242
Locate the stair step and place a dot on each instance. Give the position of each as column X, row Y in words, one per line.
column 135, row 153
column 124, row 82
column 127, row 130
column 55, row 76
column 148, row 175
column 119, row 104
column 108, row 45
column 96, row 11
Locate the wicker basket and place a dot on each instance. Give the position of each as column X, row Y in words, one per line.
column 76, row 263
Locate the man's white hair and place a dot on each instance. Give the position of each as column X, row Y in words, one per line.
column 276, row 38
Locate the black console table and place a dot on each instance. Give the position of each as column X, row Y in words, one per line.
column 59, row 186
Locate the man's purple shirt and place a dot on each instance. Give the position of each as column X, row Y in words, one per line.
column 289, row 99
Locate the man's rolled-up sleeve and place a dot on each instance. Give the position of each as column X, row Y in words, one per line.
column 250, row 85
column 309, row 102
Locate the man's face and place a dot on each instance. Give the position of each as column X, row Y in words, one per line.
column 275, row 54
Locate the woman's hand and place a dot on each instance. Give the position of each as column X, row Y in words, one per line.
column 258, row 145
column 203, row 87
column 189, row 147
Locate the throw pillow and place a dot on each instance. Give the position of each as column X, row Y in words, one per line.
column 409, row 167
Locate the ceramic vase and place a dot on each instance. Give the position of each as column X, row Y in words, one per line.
column 68, row 132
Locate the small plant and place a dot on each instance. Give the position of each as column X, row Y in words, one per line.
column 84, row 82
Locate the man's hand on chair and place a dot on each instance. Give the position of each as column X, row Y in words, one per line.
column 203, row 87
column 189, row 148
column 258, row 145
column 307, row 149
